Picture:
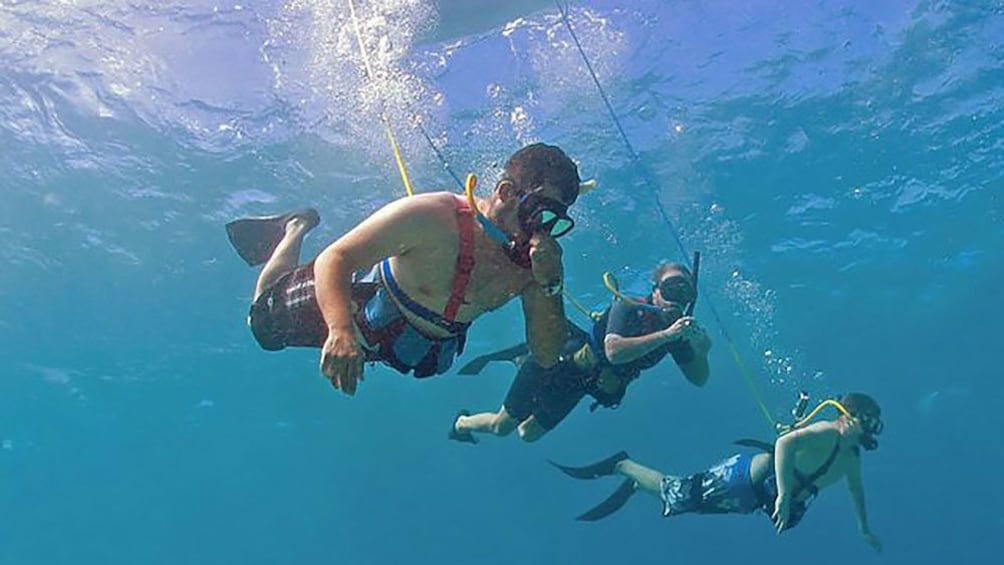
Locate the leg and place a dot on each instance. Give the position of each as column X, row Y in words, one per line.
column 286, row 256
column 531, row 430
column 499, row 423
column 646, row 479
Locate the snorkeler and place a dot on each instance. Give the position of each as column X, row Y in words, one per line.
column 403, row 286
column 781, row 482
column 631, row 335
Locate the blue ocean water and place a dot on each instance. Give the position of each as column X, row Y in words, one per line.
column 839, row 164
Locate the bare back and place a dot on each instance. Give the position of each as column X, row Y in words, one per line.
column 811, row 454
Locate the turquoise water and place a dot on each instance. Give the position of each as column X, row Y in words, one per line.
column 839, row 165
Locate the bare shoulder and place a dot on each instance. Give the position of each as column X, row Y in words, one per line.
column 427, row 213
column 430, row 203
column 816, row 434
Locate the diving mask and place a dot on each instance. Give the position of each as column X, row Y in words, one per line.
column 677, row 289
column 871, row 426
column 540, row 214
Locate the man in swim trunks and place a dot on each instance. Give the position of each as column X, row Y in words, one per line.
column 403, row 285
column 781, row 482
column 630, row 337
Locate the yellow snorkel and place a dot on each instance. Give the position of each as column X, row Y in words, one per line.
column 490, row 228
column 469, row 184
column 801, row 423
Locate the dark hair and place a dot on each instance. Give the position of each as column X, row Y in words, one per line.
column 537, row 164
column 858, row 403
column 664, row 268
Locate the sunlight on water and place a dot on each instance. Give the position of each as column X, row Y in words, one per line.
column 314, row 52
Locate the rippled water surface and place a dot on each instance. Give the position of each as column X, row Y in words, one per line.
column 839, row 164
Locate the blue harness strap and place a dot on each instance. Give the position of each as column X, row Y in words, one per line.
column 396, row 342
column 438, row 320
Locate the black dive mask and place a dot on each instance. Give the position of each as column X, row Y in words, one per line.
column 677, row 290
column 871, row 426
column 540, row 214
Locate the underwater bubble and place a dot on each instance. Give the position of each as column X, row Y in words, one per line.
column 646, row 112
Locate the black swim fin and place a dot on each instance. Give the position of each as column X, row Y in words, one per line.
column 599, row 469
column 256, row 238
column 612, row 504
column 756, row 444
column 515, row 354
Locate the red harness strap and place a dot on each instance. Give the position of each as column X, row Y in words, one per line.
column 465, row 259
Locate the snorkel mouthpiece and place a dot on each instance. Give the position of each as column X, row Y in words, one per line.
column 868, row 442
column 872, row 427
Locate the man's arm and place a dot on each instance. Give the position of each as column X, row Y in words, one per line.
column 696, row 370
column 387, row 232
column 856, row 488
column 621, row 350
column 546, row 326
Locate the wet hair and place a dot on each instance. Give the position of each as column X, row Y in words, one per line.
column 664, row 268
column 858, row 403
column 539, row 164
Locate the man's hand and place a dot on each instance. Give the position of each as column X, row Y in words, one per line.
column 675, row 332
column 695, row 335
column 782, row 512
column 342, row 360
column 687, row 329
column 545, row 261
column 872, row 540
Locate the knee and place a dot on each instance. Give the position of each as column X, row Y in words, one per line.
column 502, row 425
column 531, row 433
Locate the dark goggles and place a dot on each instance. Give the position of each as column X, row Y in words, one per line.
column 872, row 425
column 676, row 289
column 542, row 214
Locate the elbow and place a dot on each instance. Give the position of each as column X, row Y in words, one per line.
column 546, row 352
column 697, row 373
column 547, row 348
column 614, row 353
column 698, row 380
column 547, row 357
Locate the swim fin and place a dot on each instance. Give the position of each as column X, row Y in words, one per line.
column 612, row 504
column 756, row 444
column 515, row 354
column 256, row 238
column 599, row 469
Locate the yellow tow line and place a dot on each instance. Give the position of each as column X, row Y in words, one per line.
column 383, row 115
